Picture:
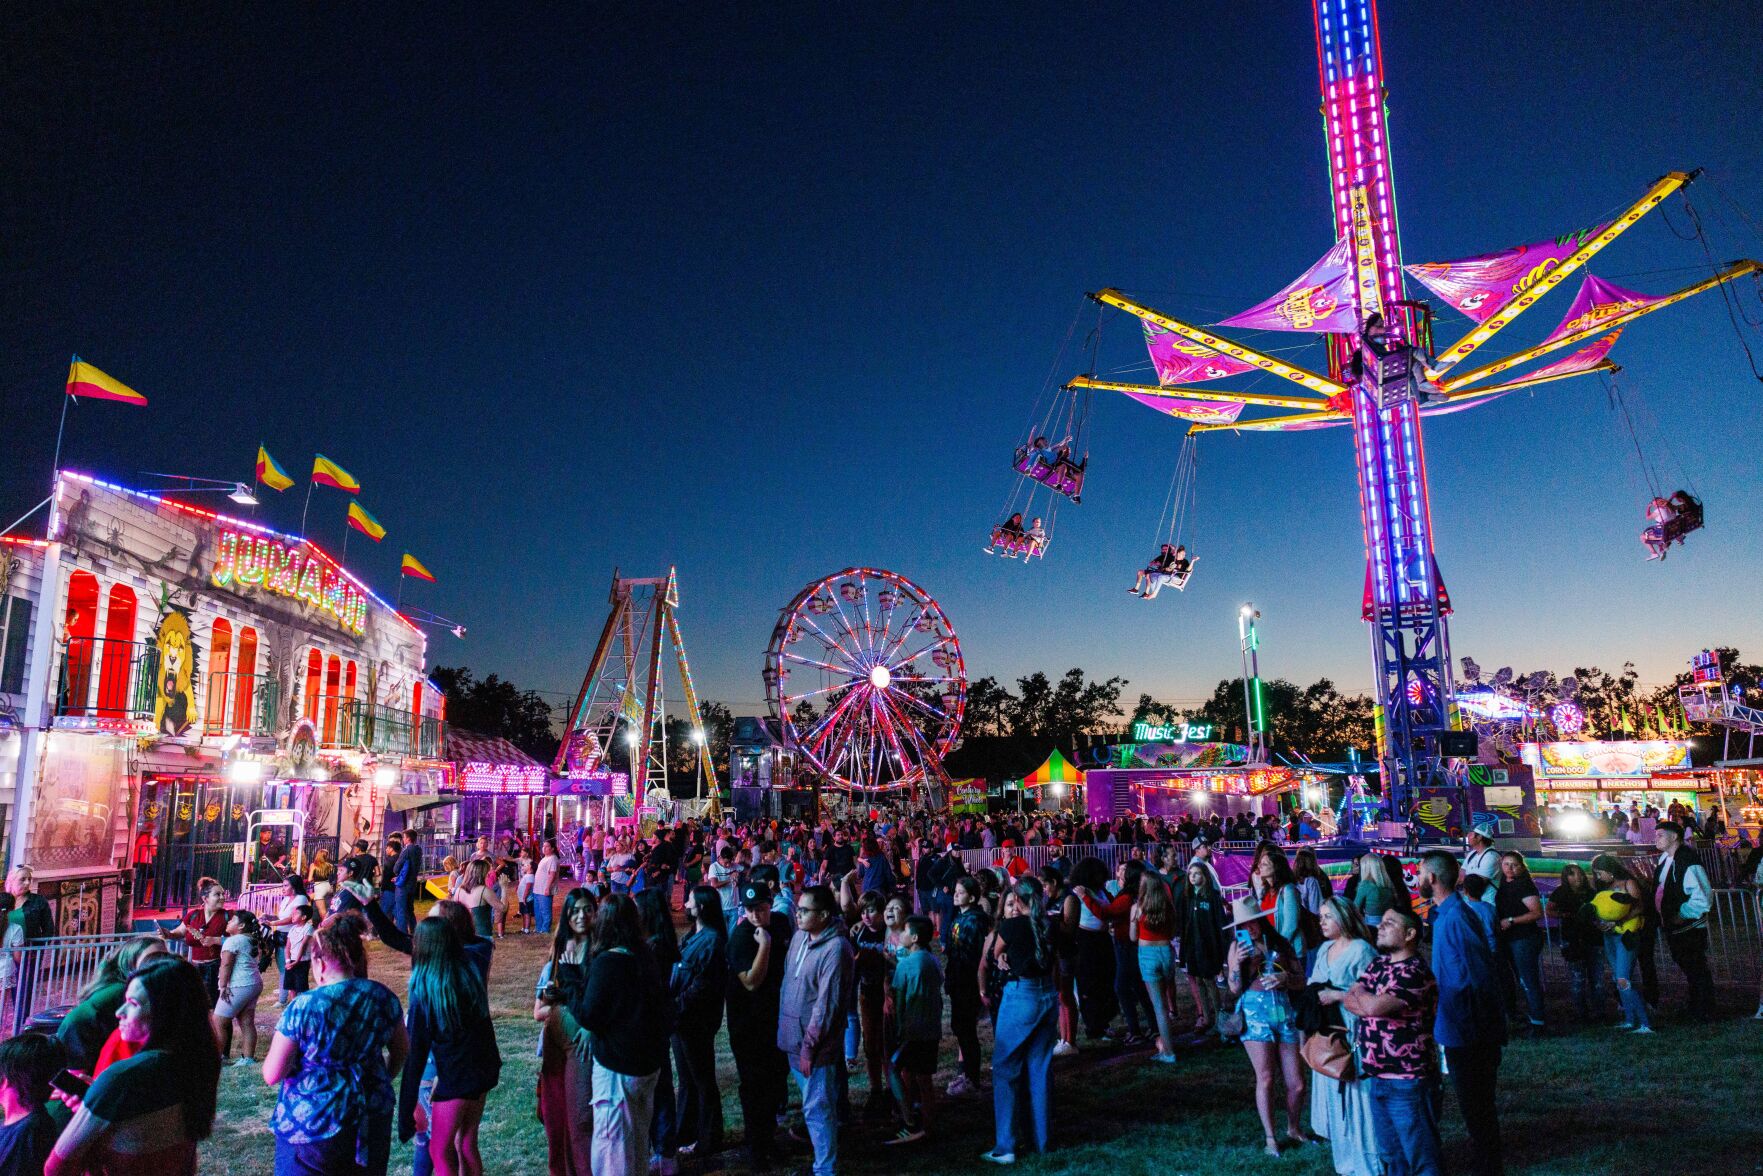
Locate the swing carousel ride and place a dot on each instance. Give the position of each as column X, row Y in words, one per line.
column 1383, row 374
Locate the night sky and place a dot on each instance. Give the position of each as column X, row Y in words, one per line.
column 765, row 291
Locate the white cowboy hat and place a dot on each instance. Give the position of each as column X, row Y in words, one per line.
column 1245, row 910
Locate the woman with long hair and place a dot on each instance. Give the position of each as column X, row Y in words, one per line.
column 146, row 1114
column 1277, row 887
column 697, row 987
column 1621, row 893
column 475, row 893
column 332, row 1057
column 565, row 1068
column 1340, row 1109
column 1095, row 954
column 449, row 1017
column 1028, row 1019
column 1395, row 882
column 1518, row 931
column 1263, row 967
column 289, row 923
column 968, row 929
column 627, row 1013
column 84, row 1030
column 1371, row 895
column 874, row 970
column 1314, row 886
column 1582, row 940
column 1202, row 927
column 1153, row 930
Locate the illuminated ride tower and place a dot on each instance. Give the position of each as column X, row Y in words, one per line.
column 1384, row 374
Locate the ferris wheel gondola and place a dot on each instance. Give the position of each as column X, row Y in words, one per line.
column 865, row 678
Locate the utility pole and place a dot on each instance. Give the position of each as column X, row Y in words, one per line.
column 1254, row 710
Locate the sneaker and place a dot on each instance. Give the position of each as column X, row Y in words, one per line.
column 1063, row 1050
column 960, row 1084
column 905, row 1135
column 240, row 1062
column 1167, row 1059
column 1759, row 1014
column 1643, row 1029
column 998, row 1157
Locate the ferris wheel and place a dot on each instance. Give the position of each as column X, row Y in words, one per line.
column 865, row 679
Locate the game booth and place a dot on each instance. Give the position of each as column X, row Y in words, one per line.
column 1168, row 779
column 1598, row 775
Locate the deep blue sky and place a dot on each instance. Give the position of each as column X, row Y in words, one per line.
column 769, row 290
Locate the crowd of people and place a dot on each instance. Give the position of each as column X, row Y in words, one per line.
column 835, row 958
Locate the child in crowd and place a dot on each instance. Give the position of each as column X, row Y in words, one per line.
column 524, row 892
column 918, row 1013
column 27, row 1132
column 297, row 976
column 242, row 955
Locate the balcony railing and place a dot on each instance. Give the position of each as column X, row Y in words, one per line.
column 106, row 678
column 386, row 730
column 240, row 704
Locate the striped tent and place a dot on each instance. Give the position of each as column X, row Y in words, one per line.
column 1057, row 770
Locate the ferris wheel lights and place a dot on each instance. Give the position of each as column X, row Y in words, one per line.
column 879, row 677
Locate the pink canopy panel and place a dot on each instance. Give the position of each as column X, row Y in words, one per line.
column 1206, row 412
column 1180, row 360
column 1480, row 286
column 1321, row 299
column 1583, row 360
column 1597, row 302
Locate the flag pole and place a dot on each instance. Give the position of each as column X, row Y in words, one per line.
column 346, row 530
column 55, row 470
column 306, row 508
column 399, row 603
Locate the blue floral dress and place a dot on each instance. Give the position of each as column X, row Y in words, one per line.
column 342, row 1031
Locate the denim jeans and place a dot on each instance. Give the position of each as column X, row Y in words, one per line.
column 623, row 1106
column 853, row 1033
column 420, row 1163
column 1022, row 1063
column 1588, row 985
column 1406, row 1114
column 335, row 1154
column 1475, row 1076
column 820, row 1116
column 1623, row 966
column 1527, row 962
column 1129, row 988
column 542, row 914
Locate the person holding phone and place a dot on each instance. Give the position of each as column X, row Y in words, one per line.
column 204, row 929
column 1264, row 968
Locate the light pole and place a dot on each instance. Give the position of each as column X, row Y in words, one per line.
column 1253, row 710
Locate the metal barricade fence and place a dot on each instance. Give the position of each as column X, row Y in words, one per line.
column 47, row 974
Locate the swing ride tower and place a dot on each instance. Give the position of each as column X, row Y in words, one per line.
column 1383, row 374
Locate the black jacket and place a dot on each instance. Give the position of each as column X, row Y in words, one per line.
column 628, row 1011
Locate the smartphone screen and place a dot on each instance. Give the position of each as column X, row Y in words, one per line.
column 70, row 1083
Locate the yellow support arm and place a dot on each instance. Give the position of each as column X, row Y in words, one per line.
column 1736, row 270
column 1321, row 385
column 1331, row 418
column 1663, row 187
column 1217, row 395
column 1527, row 382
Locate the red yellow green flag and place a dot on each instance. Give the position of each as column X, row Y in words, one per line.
column 365, row 523
column 85, row 380
column 328, row 473
column 269, row 473
column 413, row 567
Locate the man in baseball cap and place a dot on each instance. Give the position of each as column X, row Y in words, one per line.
column 757, row 950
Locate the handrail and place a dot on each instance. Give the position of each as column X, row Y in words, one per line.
column 106, row 677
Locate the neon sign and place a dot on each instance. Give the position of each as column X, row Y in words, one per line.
column 253, row 561
column 1171, row 732
column 515, row 779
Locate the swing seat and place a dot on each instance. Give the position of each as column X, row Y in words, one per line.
column 1012, row 545
column 1061, row 474
column 1687, row 519
column 1175, row 580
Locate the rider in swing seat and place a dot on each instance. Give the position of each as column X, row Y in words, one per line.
column 1660, row 514
column 1180, row 565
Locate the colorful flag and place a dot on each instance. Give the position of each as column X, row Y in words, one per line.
column 85, row 380
column 1598, row 302
column 365, row 523
column 328, row 473
column 1206, row 412
column 1583, row 360
column 1482, row 286
column 269, row 473
column 1180, row 360
column 1321, row 299
column 413, row 567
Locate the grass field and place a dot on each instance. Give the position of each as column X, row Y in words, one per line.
column 1591, row 1103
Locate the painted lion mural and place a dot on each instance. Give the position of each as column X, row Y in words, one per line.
column 174, row 702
